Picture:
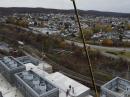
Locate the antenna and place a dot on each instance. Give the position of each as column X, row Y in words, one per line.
column 85, row 48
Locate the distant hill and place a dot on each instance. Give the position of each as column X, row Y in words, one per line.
column 113, row 14
column 11, row 10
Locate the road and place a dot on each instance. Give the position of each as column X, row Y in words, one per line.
column 104, row 49
column 100, row 47
column 77, row 43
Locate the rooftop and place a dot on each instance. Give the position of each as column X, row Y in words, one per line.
column 8, row 90
column 35, row 82
column 37, row 69
column 63, row 82
column 28, row 59
column 40, row 81
column 118, row 87
column 11, row 63
column 30, row 62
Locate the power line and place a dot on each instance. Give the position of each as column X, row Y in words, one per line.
column 85, row 48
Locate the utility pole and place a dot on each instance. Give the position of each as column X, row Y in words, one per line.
column 85, row 48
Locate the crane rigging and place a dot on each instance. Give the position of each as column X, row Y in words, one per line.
column 85, row 48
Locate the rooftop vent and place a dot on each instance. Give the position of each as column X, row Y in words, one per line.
column 27, row 76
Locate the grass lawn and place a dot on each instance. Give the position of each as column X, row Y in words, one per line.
column 127, row 54
column 120, row 53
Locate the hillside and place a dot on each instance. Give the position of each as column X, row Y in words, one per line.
column 9, row 11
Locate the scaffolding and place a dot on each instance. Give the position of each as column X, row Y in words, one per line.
column 117, row 87
column 9, row 66
column 28, row 59
column 32, row 85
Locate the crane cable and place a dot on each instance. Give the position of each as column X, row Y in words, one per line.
column 85, row 48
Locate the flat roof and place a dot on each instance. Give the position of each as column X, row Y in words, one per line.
column 29, row 66
column 27, row 60
column 63, row 94
column 44, row 65
column 37, row 69
column 63, row 82
column 7, row 90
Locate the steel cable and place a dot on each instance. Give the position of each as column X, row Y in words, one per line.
column 85, row 48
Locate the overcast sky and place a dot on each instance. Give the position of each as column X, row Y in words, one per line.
column 101, row 5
